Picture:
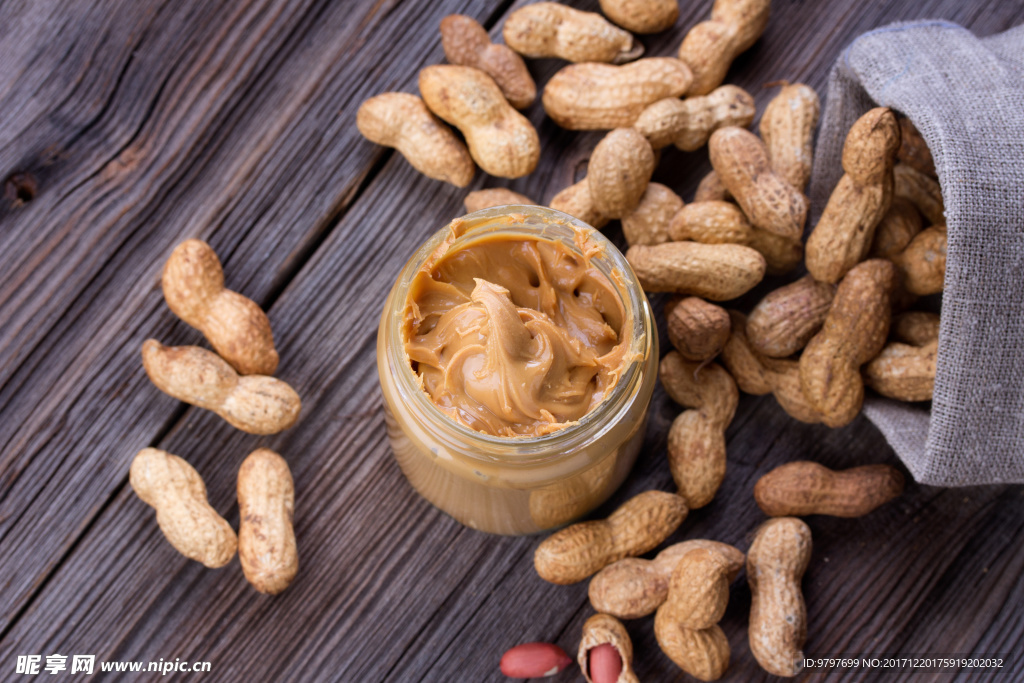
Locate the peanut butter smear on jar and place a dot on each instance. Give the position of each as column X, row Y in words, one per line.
column 515, row 336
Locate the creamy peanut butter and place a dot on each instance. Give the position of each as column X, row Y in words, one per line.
column 513, row 335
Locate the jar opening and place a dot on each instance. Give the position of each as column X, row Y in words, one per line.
column 526, row 222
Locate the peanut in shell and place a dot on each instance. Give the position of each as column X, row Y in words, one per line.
column 595, row 96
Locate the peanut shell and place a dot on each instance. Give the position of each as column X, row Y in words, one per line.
column 714, row 271
column 776, row 563
column 577, row 201
column 266, row 539
column 175, row 490
column 807, row 488
column 785, row 320
column 642, row 16
column 402, row 121
column 770, row 203
column 598, row 630
column 633, row 587
column 854, row 332
column 466, row 42
column 501, row 140
column 619, row 170
column 602, row 96
column 478, row 200
column 787, row 128
column 635, row 527
column 697, row 329
column 551, row 29
column 648, row 223
column 843, row 235
column 689, row 123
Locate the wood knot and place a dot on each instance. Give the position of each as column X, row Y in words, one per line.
column 20, row 188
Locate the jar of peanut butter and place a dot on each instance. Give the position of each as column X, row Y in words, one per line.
column 517, row 356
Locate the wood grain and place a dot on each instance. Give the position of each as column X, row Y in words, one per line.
column 234, row 122
column 208, row 160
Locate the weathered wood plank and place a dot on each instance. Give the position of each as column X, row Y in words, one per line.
column 359, row 503
column 234, row 125
column 391, row 589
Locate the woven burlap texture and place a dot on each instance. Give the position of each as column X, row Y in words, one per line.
column 966, row 96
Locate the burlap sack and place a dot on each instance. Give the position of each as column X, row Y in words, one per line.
column 966, row 96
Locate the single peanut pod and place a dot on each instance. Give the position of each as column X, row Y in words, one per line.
column 869, row 151
column 689, row 123
column 898, row 226
column 604, row 629
column 787, row 128
column 703, row 654
column 807, row 488
column 501, row 140
column 785, row 320
column 843, row 235
column 633, row 587
column 169, row 485
column 266, row 505
column 551, row 29
column 642, row 16
column 648, row 223
column 619, row 170
column 577, row 201
column 757, row 374
column 708, row 388
column 854, row 332
column 697, row 329
column 776, row 563
column 922, row 191
column 466, row 43
column 698, row 591
column 696, row 441
column 253, row 403
column 916, row 327
column 914, row 150
column 711, row 222
column 236, row 326
column 904, row 372
column 711, row 189
column 696, row 458
column 637, row 526
column 714, row 271
column 923, row 262
column 602, row 96
column 711, row 46
column 770, row 203
column 488, row 198
column 721, row 222
column 402, row 121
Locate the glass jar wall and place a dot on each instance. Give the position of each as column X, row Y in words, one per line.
column 518, row 485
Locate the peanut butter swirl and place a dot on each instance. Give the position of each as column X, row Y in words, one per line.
column 515, row 336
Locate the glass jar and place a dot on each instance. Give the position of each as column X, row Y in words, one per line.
column 518, row 485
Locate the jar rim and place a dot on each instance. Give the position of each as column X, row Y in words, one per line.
column 534, row 222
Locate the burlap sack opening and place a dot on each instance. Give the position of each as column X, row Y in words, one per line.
column 966, row 96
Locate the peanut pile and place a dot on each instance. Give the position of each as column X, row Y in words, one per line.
column 235, row 383
column 814, row 344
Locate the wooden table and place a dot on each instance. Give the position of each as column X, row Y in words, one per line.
column 145, row 123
